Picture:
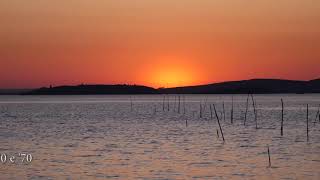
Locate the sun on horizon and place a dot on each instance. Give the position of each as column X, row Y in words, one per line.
column 170, row 71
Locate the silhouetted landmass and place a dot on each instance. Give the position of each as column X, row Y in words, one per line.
column 93, row 89
column 255, row 86
column 13, row 91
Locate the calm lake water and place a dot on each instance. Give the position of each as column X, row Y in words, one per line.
column 104, row 137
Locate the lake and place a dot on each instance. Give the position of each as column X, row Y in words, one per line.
column 136, row 137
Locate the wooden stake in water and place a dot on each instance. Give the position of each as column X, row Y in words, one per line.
column 174, row 104
column 245, row 115
column 186, row 122
column 224, row 112
column 317, row 115
column 231, row 117
column 210, row 111
column 163, row 102
column 184, row 105
column 215, row 111
column 281, row 117
column 179, row 105
column 307, row 122
column 168, row 99
column 131, row 104
column 200, row 113
column 269, row 157
column 255, row 111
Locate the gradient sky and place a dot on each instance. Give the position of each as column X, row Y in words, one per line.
column 156, row 42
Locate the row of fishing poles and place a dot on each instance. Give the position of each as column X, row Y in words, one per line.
column 178, row 100
column 179, row 106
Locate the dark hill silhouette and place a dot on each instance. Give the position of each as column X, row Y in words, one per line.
column 93, row 89
column 255, row 86
column 13, row 91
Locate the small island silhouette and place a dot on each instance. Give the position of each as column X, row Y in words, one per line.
column 256, row 86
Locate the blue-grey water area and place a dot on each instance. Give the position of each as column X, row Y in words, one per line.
column 140, row 137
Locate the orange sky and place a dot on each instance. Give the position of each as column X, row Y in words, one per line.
column 156, row 42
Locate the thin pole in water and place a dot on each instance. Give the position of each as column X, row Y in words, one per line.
column 184, row 105
column 281, row 117
column 200, row 110
column 210, row 111
column 224, row 112
column 131, row 104
column 255, row 111
column 164, row 98
column 179, row 105
column 231, row 110
column 168, row 99
column 307, row 122
column 269, row 157
column 317, row 115
column 174, row 104
column 215, row 111
column 245, row 115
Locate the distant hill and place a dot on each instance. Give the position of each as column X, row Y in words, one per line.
column 255, row 86
column 93, row 89
column 13, row 91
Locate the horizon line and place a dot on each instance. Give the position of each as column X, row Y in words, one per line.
column 129, row 84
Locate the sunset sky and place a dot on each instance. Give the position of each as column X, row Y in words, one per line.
column 156, row 42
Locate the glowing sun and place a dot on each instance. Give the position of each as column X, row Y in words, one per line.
column 171, row 72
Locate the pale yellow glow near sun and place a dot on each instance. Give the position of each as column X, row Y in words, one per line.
column 171, row 78
column 170, row 71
